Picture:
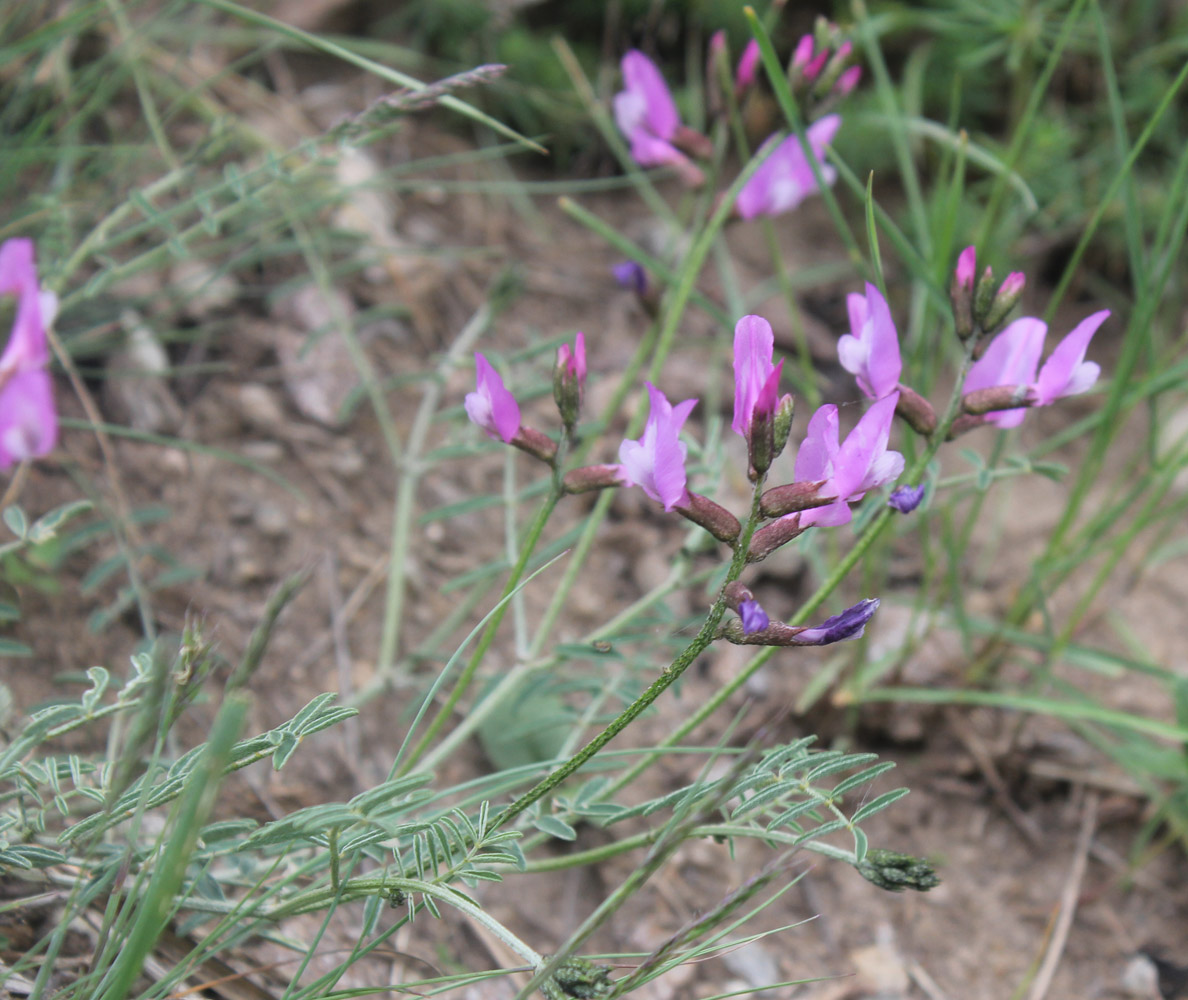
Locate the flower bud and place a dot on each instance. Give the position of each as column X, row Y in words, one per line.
column 906, row 498
column 1009, row 293
column 569, row 380
column 534, row 443
column 773, row 536
column 801, row 58
column 848, row 81
column 782, row 500
column 715, row 518
column 761, row 433
column 631, row 275
column 983, row 296
column 716, row 69
column 748, row 67
column 592, row 477
column 961, row 292
column 833, row 69
column 783, row 424
column 916, row 411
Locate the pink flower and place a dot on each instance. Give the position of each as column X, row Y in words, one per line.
column 871, row 351
column 28, row 420
column 848, row 80
column 1011, row 359
column 1066, row 372
column 491, row 405
column 967, row 267
column 573, row 361
column 804, row 60
column 785, row 179
column 756, row 380
column 569, row 379
column 656, row 462
column 748, row 63
column 862, row 462
column 647, row 115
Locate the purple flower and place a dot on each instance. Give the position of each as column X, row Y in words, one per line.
column 850, row 624
column 906, row 498
column 491, row 405
column 1011, row 359
column 756, row 380
column 754, row 618
column 631, row 275
column 656, row 462
column 785, row 179
column 647, row 115
column 28, row 420
column 862, row 462
column 870, row 352
column 1066, row 372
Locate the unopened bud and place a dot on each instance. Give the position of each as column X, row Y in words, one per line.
column 748, row 65
column 631, row 275
column 906, row 498
column 999, row 397
column 961, row 293
column 569, row 380
column 715, row 518
column 833, row 69
column 783, row 424
column 781, row 500
column 824, row 33
column 716, row 70
column 983, row 297
column 761, row 433
column 772, row 536
column 848, row 81
column 690, row 141
column 1009, row 293
column 592, row 477
column 535, row 443
column 801, row 57
column 916, row 411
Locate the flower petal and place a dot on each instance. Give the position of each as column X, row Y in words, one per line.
column 1066, row 373
column 28, row 420
column 753, row 345
column 850, row 624
column 642, row 77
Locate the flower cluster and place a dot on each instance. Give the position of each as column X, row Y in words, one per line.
column 28, row 420
column 1007, row 376
column 791, row 169
column 831, row 473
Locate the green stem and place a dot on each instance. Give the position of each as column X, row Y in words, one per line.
column 868, row 538
column 332, row 847
column 700, row 643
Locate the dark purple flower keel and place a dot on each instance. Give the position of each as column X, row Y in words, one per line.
column 850, row 624
column 906, row 498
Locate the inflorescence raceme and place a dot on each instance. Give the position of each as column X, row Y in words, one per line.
column 830, row 473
